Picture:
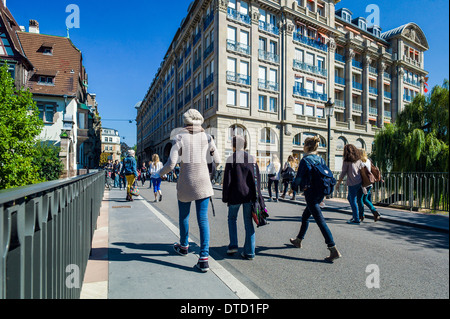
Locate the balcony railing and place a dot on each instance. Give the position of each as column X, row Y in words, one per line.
column 233, row 14
column 268, row 27
column 197, row 63
column 387, row 75
column 309, row 68
column 339, row 80
column 208, row 50
column 208, row 80
column 238, row 47
column 238, row 78
column 268, row 85
column 339, row 57
column 357, row 64
column 339, row 104
column 207, row 21
column 357, row 85
column 373, row 90
column 268, row 56
column 357, row 107
column 388, row 114
column 197, row 90
column 310, row 94
column 197, row 37
column 412, row 82
column 373, row 111
column 388, row 94
column 373, row 70
column 310, row 42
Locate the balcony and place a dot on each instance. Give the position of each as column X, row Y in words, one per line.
column 373, row 90
column 197, row 90
column 339, row 80
column 357, row 64
column 238, row 78
column 412, row 82
column 373, row 70
column 310, row 42
column 233, row 14
column 357, row 85
column 339, row 104
column 388, row 114
column 187, row 75
column 373, row 111
column 339, row 57
column 238, row 47
column 268, row 85
column 187, row 51
column 197, row 37
column 387, row 75
column 388, row 95
column 207, row 21
column 309, row 68
column 208, row 80
column 197, row 63
column 310, row 94
column 268, row 56
column 208, row 50
column 357, row 107
column 268, row 27
column 407, row 98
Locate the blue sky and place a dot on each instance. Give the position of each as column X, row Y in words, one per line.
column 124, row 42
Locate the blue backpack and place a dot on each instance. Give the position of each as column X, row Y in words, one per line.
column 322, row 180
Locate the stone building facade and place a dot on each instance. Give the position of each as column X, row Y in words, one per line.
column 265, row 69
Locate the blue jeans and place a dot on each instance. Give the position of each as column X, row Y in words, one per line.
column 355, row 198
column 313, row 208
column 203, row 223
column 156, row 184
column 116, row 181
column 366, row 200
column 249, row 245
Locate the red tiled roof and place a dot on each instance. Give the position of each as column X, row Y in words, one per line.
column 65, row 62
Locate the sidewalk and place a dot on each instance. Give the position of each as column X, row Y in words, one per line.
column 141, row 261
column 132, row 254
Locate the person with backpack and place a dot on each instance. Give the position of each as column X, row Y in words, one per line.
column 368, row 180
column 193, row 149
column 129, row 170
column 352, row 169
column 288, row 175
column 317, row 181
column 239, row 189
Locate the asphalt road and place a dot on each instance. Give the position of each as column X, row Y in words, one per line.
column 407, row 262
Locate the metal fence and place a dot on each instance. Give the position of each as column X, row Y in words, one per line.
column 46, row 233
column 410, row 191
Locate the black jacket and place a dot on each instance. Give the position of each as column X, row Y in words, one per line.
column 238, row 180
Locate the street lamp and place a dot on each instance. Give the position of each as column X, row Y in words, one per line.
column 329, row 112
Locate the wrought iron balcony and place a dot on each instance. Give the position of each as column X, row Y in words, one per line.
column 233, row 14
column 238, row 78
column 357, row 85
column 339, row 80
column 310, row 94
column 238, row 47
column 310, row 42
column 268, row 85
column 309, row 68
column 268, row 56
column 268, row 27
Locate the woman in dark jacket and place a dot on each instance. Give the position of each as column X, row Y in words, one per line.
column 239, row 189
column 313, row 199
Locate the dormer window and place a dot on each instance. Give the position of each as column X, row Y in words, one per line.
column 346, row 16
column 47, row 48
column 46, row 80
column 48, row 51
column 362, row 24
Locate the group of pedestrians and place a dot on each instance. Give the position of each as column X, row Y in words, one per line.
column 193, row 149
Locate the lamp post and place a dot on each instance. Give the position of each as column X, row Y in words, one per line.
column 329, row 112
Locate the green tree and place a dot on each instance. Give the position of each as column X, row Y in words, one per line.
column 19, row 126
column 418, row 140
column 47, row 159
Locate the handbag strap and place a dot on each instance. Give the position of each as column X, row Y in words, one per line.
column 255, row 177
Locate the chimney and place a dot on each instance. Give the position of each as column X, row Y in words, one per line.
column 34, row 27
column 4, row 3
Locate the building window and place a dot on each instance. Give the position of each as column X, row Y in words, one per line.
column 267, row 136
column 46, row 112
column 46, row 80
column 262, row 103
column 298, row 109
column 273, row 107
column 231, row 97
column 243, row 99
column 309, row 110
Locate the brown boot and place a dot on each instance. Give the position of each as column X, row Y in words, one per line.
column 334, row 254
column 297, row 242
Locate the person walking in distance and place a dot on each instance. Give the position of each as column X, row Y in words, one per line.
column 239, row 189
column 156, row 179
column 313, row 198
column 143, row 174
column 288, row 174
column 129, row 170
column 367, row 193
column 193, row 149
column 273, row 171
column 352, row 169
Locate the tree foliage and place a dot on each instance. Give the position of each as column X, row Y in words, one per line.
column 418, row 141
column 19, row 126
column 47, row 159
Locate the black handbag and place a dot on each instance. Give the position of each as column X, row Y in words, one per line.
column 259, row 210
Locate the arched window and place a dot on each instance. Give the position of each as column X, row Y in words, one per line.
column 360, row 144
column 236, row 130
column 341, row 142
column 268, row 136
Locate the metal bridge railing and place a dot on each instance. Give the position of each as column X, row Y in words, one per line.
column 410, row 191
column 46, row 232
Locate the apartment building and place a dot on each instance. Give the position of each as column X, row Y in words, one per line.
column 111, row 143
column 265, row 69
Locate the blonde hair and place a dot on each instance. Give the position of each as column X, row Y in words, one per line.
column 155, row 159
column 364, row 157
column 311, row 144
column 275, row 158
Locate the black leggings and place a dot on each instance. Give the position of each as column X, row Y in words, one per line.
column 271, row 181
